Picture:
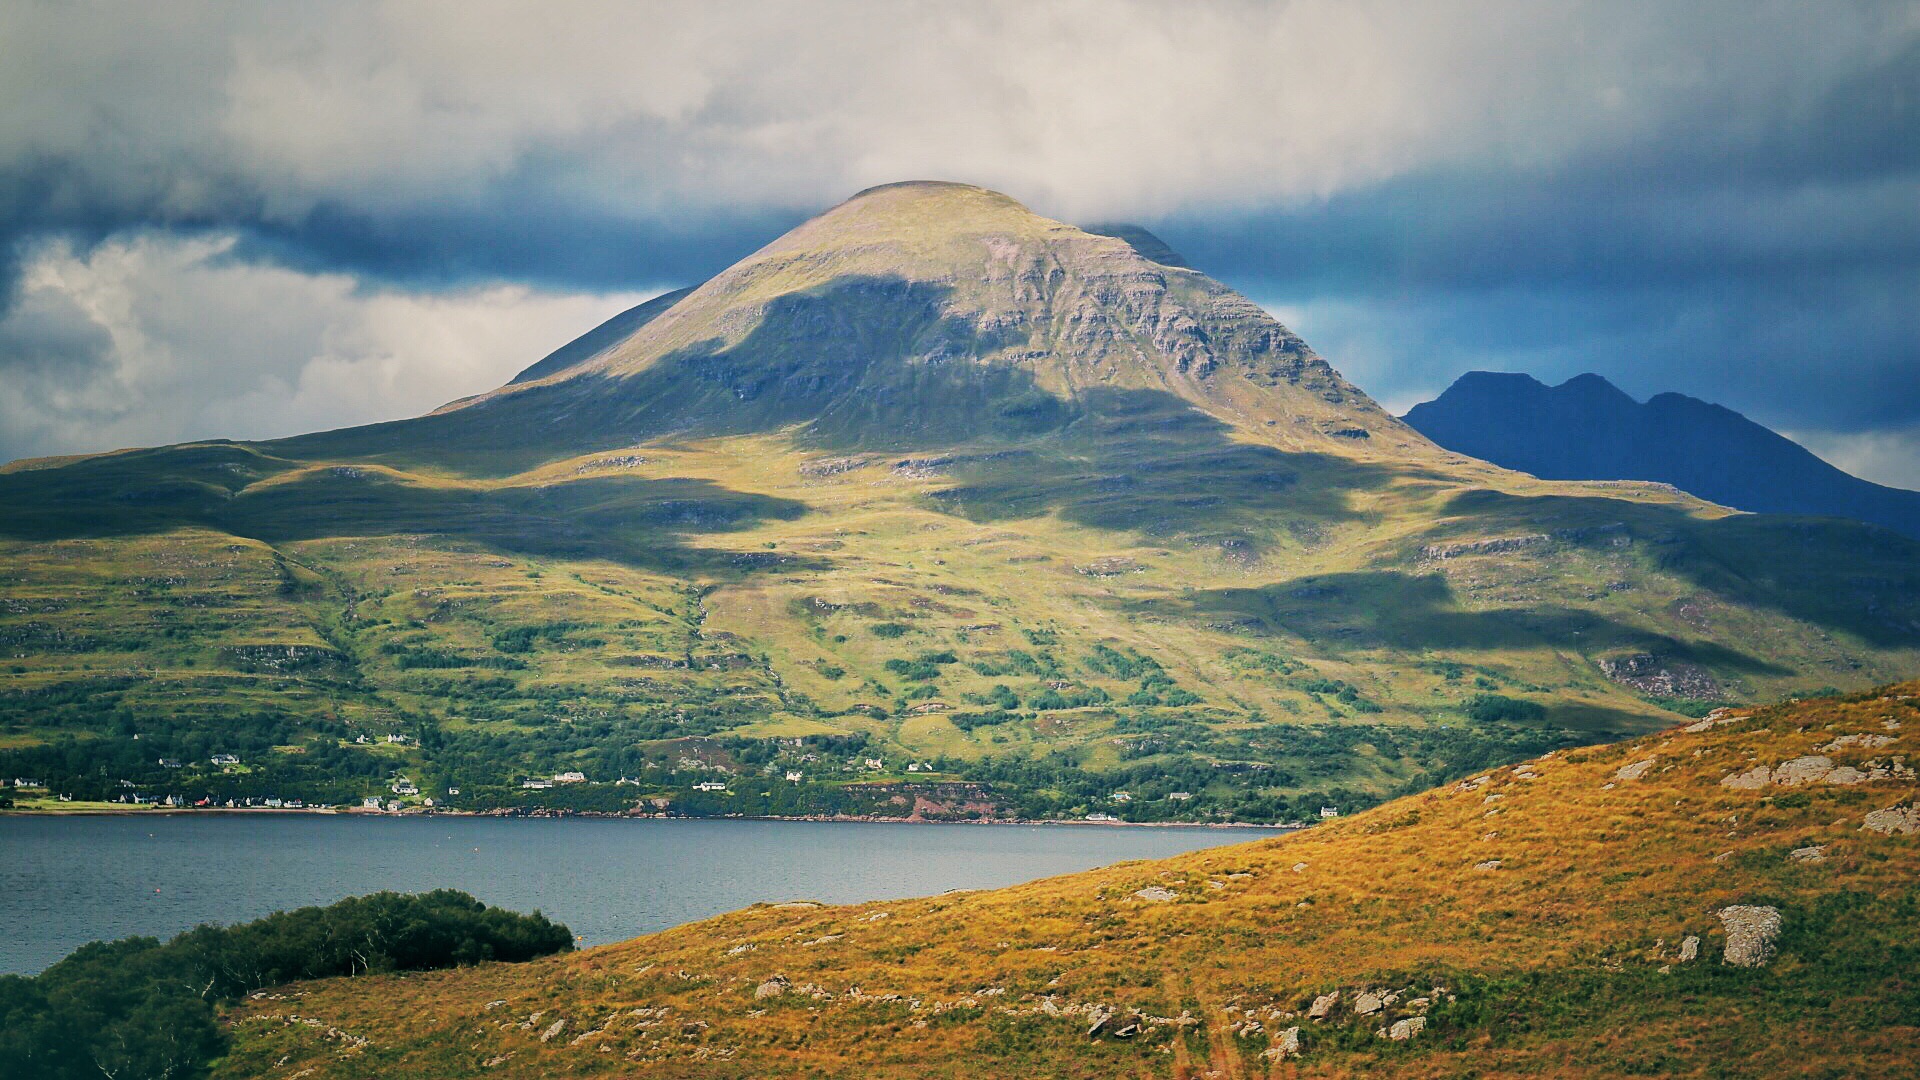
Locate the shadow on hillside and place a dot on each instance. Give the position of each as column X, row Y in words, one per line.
column 1147, row 462
column 1390, row 609
column 1839, row 575
column 867, row 363
column 632, row 520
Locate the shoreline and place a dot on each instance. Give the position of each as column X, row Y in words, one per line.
column 552, row 815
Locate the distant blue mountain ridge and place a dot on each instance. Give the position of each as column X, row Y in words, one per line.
column 1588, row 429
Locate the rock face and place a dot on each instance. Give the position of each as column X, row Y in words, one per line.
column 1690, row 948
column 1894, row 819
column 1810, row 853
column 1323, row 1005
column 1758, row 777
column 772, row 988
column 1751, row 933
column 1155, row 894
column 1368, row 1003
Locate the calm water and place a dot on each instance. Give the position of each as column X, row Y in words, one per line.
column 67, row 881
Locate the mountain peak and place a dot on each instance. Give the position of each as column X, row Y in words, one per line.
column 938, row 311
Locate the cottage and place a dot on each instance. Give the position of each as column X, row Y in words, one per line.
column 1329, row 812
column 275, row 804
column 226, row 759
column 1121, row 796
column 1101, row 817
column 404, row 786
column 570, row 778
column 1179, row 796
column 710, row 785
column 170, row 763
column 536, row 785
column 371, row 802
column 401, row 739
column 875, row 764
column 452, row 791
column 793, row 776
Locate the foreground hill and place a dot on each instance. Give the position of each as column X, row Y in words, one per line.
column 931, row 507
column 1736, row 897
column 1587, row 429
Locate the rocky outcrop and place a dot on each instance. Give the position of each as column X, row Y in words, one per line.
column 1636, row 770
column 772, row 988
column 1402, row 1030
column 1322, row 1006
column 1689, row 948
column 1814, row 769
column 1661, row 676
column 1751, row 934
column 1157, row 894
column 1893, row 820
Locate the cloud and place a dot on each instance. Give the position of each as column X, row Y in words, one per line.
column 1707, row 197
column 156, row 339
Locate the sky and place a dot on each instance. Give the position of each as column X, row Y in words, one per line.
column 249, row 220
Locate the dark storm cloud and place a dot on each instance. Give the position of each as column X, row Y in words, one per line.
column 1713, row 197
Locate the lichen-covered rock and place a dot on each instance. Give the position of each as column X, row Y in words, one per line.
column 1402, row 1030
column 1636, row 770
column 1894, row 819
column 772, row 988
column 1286, row 1045
column 1751, row 934
column 1368, row 1003
column 1846, row 774
column 553, row 1030
column 1323, row 1005
column 1689, row 948
column 1802, row 770
column 1810, row 853
column 1757, row 777
column 1490, row 864
column 1157, row 894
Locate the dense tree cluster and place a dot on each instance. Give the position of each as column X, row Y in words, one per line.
column 138, row 1008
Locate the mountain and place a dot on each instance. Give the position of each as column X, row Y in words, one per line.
column 1028, row 515
column 1587, row 429
column 1691, row 903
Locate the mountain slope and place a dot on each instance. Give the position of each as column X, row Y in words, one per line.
column 930, row 481
column 1586, row 429
column 1672, row 906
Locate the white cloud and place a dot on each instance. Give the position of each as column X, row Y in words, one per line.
column 1080, row 106
column 157, row 339
column 1884, row 457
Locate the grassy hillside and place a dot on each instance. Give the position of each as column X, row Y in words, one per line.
column 1565, row 916
column 933, row 482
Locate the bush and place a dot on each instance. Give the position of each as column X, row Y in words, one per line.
column 888, row 629
column 138, row 1008
column 1497, row 708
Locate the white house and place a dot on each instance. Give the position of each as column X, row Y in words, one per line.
column 1329, row 812
column 1179, row 796
column 570, row 778
column 1121, row 796
column 793, row 775
column 371, row 802
column 453, row 791
column 536, row 785
column 875, row 764
column 710, row 785
column 226, row 759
